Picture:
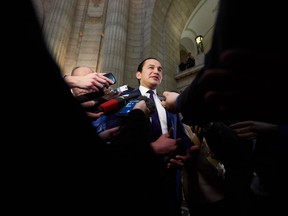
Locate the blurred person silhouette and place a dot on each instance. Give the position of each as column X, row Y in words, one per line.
column 182, row 66
column 242, row 80
column 203, row 178
column 267, row 167
column 190, row 62
column 61, row 165
column 218, row 176
column 53, row 167
column 235, row 74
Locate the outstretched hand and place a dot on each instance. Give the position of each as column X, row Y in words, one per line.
column 169, row 102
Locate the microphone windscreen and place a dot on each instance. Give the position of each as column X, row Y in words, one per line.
column 109, row 106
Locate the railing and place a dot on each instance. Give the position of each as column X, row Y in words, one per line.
column 184, row 78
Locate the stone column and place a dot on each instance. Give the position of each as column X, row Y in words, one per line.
column 57, row 27
column 114, row 41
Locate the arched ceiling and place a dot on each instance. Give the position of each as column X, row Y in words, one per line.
column 200, row 22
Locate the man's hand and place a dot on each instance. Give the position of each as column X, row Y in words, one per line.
column 251, row 129
column 109, row 134
column 165, row 145
column 169, row 103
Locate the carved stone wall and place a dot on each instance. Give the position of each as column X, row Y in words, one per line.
column 117, row 35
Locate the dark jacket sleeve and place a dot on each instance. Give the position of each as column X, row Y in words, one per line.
column 192, row 106
column 131, row 160
column 133, row 138
column 59, row 150
column 228, row 34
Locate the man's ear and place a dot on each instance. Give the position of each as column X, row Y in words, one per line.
column 138, row 75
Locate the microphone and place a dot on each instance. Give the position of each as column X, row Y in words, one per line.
column 113, row 105
column 101, row 96
column 89, row 96
column 112, row 94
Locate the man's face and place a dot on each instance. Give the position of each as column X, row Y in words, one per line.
column 151, row 75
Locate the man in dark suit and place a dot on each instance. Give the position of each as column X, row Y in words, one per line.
column 163, row 186
column 170, row 141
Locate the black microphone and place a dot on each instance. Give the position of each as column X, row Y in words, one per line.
column 89, row 96
column 109, row 94
column 114, row 105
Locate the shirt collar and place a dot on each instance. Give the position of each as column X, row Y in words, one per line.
column 144, row 90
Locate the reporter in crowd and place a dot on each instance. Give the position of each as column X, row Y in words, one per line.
column 89, row 80
column 95, row 82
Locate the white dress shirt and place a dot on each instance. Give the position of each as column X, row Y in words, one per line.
column 161, row 110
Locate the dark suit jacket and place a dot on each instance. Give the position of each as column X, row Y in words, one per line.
column 174, row 121
column 162, row 185
column 167, row 182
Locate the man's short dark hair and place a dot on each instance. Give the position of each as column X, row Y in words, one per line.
column 140, row 66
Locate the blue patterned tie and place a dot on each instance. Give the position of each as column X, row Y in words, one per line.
column 156, row 126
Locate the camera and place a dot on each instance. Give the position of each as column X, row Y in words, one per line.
column 111, row 77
